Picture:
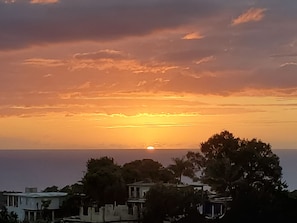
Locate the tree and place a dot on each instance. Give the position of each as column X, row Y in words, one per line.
column 146, row 170
column 234, row 164
column 168, row 201
column 71, row 205
column 51, row 189
column 246, row 170
column 74, row 189
column 103, row 182
column 182, row 167
column 6, row 217
column 45, row 203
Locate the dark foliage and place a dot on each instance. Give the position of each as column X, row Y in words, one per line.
column 103, row 182
column 146, row 170
column 171, row 202
column 6, row 217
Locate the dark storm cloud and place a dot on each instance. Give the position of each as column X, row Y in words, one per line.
column 283, row 77
column 23, row 24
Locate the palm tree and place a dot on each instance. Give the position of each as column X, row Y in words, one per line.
column 182, row 167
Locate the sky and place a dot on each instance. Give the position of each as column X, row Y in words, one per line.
column 135, row 73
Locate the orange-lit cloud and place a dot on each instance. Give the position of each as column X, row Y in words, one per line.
column 205, row 60
column 75, row 75
column 194, row 35
column 252, row 15
column 43, row 1
column 44, row 62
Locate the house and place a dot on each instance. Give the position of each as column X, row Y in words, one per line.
column 214, row 208
column 31, row 205
column 136, row 196
column 106, row 213
column 132, row 211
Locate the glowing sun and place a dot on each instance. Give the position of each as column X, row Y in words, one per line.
column 150, row 148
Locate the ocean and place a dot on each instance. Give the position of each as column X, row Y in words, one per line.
column 43, row 168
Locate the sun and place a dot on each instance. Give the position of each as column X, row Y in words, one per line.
column 150, row 148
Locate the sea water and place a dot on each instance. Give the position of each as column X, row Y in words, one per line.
column 44, row 168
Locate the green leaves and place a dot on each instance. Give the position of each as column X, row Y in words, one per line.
column 233, row 163
column 103, row 182
column 171, row 201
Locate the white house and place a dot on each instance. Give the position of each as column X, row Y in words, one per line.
column 130, row 212
column 29, row 205
column 106, row 213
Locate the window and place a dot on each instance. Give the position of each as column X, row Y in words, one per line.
column 85, row 210
column 15, row 201
column 10, row 200
column 130, row 209
column 132, row 192
column 96, row 208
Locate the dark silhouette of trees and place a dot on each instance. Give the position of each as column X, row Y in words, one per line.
column 146, row 170
column 51, row 189
column 6, row 217
column 103, row 182
column 172, row 202
column 246, row 170
column 73, row 201
column 234, row 165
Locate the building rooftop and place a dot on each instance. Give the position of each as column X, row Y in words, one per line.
column 39, row 194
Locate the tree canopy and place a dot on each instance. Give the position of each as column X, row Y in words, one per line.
column 103, row 182
column 146, row 170
column 233, row 164
column 169, row 201
column 182, row 167
column 246, row 170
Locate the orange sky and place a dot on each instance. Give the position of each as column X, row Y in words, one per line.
column 132, row 74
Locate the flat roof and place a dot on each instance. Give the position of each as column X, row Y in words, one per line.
column 39, row 194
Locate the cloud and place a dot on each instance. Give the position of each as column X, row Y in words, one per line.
column 43, row 1
column 252, row 15
column 109, row 60
column 44, row 62
column 8, row 1
column 101, row 54
column 205, row 60
column 23, row 24
column 194, row 35
column 284, row 55
column 288, row 64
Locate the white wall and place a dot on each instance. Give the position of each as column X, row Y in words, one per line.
column 30, row 203
column 107, row 213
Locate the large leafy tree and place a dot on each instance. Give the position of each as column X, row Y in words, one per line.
column 103, row 182
column 146, row 170
column 246, row 170
column 73, row 201
column 233, row 164
column 168, row 201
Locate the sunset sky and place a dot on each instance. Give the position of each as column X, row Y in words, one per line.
column 138, row 73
